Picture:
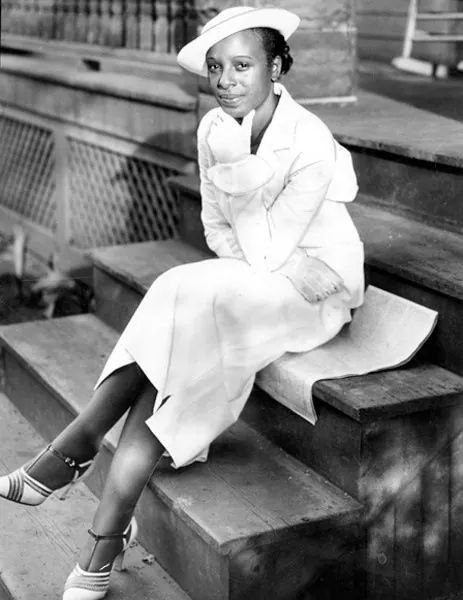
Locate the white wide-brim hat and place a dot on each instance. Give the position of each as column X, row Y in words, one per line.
column 231, row 20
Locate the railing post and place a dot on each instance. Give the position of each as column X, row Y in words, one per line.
column 82, row 21
column 105, row 23
column 45, row 11
column 70, row 14
column 131, row 24
column 93, row 23
column 161, row 27
column 117, row 29
column 146, row 24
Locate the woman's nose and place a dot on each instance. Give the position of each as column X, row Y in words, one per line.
column 226, row 79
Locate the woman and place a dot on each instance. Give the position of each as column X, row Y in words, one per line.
column 290, row 269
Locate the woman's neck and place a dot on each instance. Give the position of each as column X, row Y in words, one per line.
column 263, row 117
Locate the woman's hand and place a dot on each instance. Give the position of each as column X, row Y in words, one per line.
column 229, row 141
column 312, row 278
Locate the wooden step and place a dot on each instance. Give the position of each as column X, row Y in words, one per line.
column 253, row 521
column 124, row 273
column 421, row 263
column 40, row 545
column 407, row 159
column 404, row 256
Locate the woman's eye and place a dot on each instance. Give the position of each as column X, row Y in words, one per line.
column 242, row 66
column 212, row 68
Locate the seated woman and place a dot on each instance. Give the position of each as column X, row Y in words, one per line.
column 274, row 184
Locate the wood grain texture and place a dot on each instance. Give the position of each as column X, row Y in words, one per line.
column 410, row 187
column 406, row 483
column 436, row 478
column 456, row 502
column 114, row 303
column 379, row 123
column 332, row 447
column 419, row 253
column 138, row 265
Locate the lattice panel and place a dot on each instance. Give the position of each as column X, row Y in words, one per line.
column 117, row 199
column 27, row 181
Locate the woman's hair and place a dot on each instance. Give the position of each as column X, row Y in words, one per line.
column 275, row 45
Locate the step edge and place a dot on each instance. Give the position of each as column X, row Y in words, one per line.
column 420, row 217
column 412, row 406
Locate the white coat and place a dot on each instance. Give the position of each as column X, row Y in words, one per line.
column 203, row 330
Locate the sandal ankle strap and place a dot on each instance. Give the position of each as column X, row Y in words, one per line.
column 70, row 462
column 109, row 536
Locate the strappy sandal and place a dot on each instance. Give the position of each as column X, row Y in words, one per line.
column 89, row 585
column 20, row 487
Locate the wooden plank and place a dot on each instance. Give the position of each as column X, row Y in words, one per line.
column 378, row 484
column 138, row 265
column 420, row 253
column 333, row 447
column 248, row 491
column 115, row 304
column 456, row 502
column 394, row 392
column 379, row 123
column 436, row 507
column 408, row 519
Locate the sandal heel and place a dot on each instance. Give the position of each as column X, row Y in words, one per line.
column 118, row 564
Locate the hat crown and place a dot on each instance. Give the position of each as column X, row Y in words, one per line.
column 226, row 14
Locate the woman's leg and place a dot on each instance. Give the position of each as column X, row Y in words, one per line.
column 136, row 456
column 81, row 439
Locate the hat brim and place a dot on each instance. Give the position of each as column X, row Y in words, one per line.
column 193, row 55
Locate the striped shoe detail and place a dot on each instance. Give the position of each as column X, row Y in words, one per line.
column 96, row 583
column 16, row 489
column 35, row 485
column 22, row 488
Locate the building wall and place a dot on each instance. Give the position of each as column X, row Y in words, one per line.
column 381, row 29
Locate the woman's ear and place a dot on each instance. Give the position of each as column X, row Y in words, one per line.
column 276, row 68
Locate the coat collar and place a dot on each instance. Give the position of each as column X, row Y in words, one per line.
column 280, row 132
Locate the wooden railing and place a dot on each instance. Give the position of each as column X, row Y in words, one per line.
column 155, row 25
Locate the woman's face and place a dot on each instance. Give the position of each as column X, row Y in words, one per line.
column 239, row 74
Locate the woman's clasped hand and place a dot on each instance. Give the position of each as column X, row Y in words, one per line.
column 229, row 140
column 312, row 278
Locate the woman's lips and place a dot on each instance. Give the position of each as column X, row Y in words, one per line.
column 229, row 100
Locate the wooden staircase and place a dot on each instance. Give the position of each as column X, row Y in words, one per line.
column 366, row 505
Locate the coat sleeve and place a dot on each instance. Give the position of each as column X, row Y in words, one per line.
column 218, row 232
column 269, row 232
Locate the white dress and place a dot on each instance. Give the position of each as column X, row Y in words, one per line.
column 204, row 329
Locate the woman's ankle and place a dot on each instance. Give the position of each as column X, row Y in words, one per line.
column 54, row 468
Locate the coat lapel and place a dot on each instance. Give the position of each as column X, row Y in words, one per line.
column 278, row 139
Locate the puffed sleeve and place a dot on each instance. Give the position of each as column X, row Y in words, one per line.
column 269, row 233
column 218, row 233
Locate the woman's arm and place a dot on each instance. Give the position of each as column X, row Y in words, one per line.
column 269, row 232
column 218, row 232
